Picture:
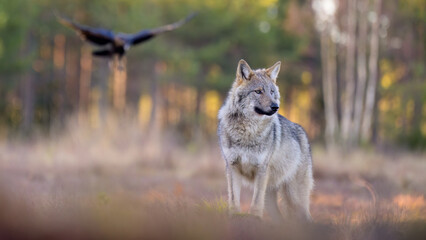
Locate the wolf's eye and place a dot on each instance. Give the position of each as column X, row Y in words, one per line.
column 258, row 91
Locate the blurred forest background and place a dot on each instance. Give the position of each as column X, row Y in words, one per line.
column 89, row 150
column 353, row 71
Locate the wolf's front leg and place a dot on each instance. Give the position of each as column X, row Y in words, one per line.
column 234, row 189
column 258, row 201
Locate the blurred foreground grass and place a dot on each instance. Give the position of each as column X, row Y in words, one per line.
column 120, row 182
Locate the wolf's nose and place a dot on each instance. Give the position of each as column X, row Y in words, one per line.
column 274, row 107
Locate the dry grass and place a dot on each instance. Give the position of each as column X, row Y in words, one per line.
column 117, row 182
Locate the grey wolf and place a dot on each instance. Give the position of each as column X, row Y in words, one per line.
column 262, row 148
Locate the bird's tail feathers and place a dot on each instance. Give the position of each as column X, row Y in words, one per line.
column 68, row 22
column 175, row 25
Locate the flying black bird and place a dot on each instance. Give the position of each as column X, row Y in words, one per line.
column 118, row 43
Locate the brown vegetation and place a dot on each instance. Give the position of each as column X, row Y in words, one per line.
column 118, row 182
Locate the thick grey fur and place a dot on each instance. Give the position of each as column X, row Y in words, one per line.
column 264, row 149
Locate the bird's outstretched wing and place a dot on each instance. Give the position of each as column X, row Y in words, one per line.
column 96, row 36
column 144, row 35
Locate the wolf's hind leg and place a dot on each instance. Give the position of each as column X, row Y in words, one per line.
column 271, row 205
column 297, row 195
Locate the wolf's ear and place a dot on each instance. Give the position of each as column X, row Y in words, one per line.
column 243, row 70
column 274, row 70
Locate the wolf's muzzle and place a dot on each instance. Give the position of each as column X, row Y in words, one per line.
column 269, row 113
column 274, row 107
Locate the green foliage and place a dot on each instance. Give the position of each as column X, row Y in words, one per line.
column 14, row 35
column 201, row 55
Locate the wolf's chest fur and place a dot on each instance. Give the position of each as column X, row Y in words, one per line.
column 248, row 162
column 250, row 143
column 245, row 132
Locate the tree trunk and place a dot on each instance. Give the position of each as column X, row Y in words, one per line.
column 28, row 101
column 332, row 69
column 200, row 92
column 85, row 77
column 59, row 74
column 154, row 95
column 348, row 100
column 28, row 88
column 328, row 56
column 361, row 69
column 71, row 76
column 119, row 84
column 106, row 73
column 372, row 81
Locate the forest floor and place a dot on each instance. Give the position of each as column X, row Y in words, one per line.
column 117, row 182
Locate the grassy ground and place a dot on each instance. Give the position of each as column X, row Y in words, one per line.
column 116, row 182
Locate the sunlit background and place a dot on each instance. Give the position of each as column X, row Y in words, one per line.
column 78, row 133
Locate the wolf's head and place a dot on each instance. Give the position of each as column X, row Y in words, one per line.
column 256, row 90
